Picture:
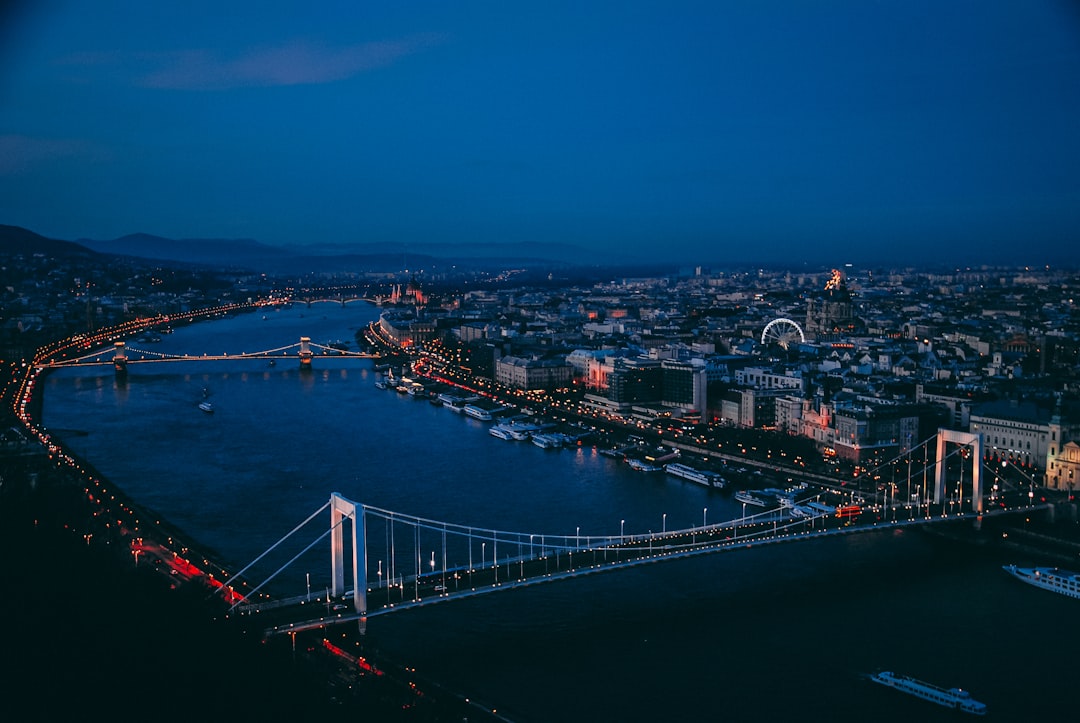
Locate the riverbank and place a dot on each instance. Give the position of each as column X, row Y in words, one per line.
column 91, row 629
column 1051, row 535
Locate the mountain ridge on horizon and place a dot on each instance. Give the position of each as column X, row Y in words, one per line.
column 380, row 257
column 319, row 257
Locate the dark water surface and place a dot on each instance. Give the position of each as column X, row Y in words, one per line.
column 776, row 633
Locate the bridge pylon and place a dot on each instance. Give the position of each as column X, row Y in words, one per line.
column 965, row 438
column 120, row 359
column 341, row 508
column 305, row 353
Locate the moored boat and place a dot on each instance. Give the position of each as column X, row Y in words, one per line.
column 206, row 407
column 547, row 441
column 500, row 431
column 642, row 466
column 955, row 698
column 1054, row 579
column 749, row 498
column 477, row 412
column 703, row 477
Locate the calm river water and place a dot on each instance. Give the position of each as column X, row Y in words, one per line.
column 777, row 633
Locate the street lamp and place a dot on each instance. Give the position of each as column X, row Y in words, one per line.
column 483, row 547
column 704, row 517
column 622, row 524
column 664, row 520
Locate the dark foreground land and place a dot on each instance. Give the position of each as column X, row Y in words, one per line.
column 88, row 635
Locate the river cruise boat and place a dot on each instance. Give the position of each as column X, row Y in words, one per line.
column 954, row 698
column 519, row 430
column 455, row 403
column 749, row 498
column 702, row 477
column 500, row 431
column 471, row 410
column 1048, row 578
column 642, row 466
column 547, row 441
column 206, row 407
column 417, row 391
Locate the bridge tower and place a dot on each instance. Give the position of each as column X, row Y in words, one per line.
column 965, row 438
column 305, row 353
column 341, row 508
column 120, row 359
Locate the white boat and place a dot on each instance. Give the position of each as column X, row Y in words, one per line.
column 640, row 466
column 786, row 498
column 523, row 430
column 519, row 430
column 955, row 698
column 454, row 402
column 1048, row 578
column 500, row 431
column 206, row 407
column 547, row 441
column 703, row 477
column 477, row 412
column 749, row 498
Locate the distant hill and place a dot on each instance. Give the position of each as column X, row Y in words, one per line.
column 230, row 252
column 18, row 240
column 313, row 258
column 299, row 259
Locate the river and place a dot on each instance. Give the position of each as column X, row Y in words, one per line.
column 777, row 633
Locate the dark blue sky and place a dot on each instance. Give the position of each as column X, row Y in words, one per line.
column 810, row 130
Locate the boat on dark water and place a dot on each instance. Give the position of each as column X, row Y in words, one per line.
column 1063, row 582
column 955, row 698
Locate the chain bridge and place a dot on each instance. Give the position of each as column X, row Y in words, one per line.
column 121, row 355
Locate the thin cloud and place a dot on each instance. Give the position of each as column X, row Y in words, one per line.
column 296, row 63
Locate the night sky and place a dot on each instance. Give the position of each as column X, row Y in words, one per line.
column 810, row 130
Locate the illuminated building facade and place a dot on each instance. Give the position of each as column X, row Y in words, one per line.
column 527, row 374
column 831, row 314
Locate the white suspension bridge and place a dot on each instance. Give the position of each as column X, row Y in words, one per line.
column 383, row 561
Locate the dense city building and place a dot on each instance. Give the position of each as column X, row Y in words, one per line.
column 888, row 355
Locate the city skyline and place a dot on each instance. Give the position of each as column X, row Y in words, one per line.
column 781, row 131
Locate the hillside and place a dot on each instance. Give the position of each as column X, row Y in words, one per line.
column 18, row 240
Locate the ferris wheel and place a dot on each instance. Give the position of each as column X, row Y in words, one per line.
column 782, row 332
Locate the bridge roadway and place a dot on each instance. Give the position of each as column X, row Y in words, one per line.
column 100, row 357
column 291, row 615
